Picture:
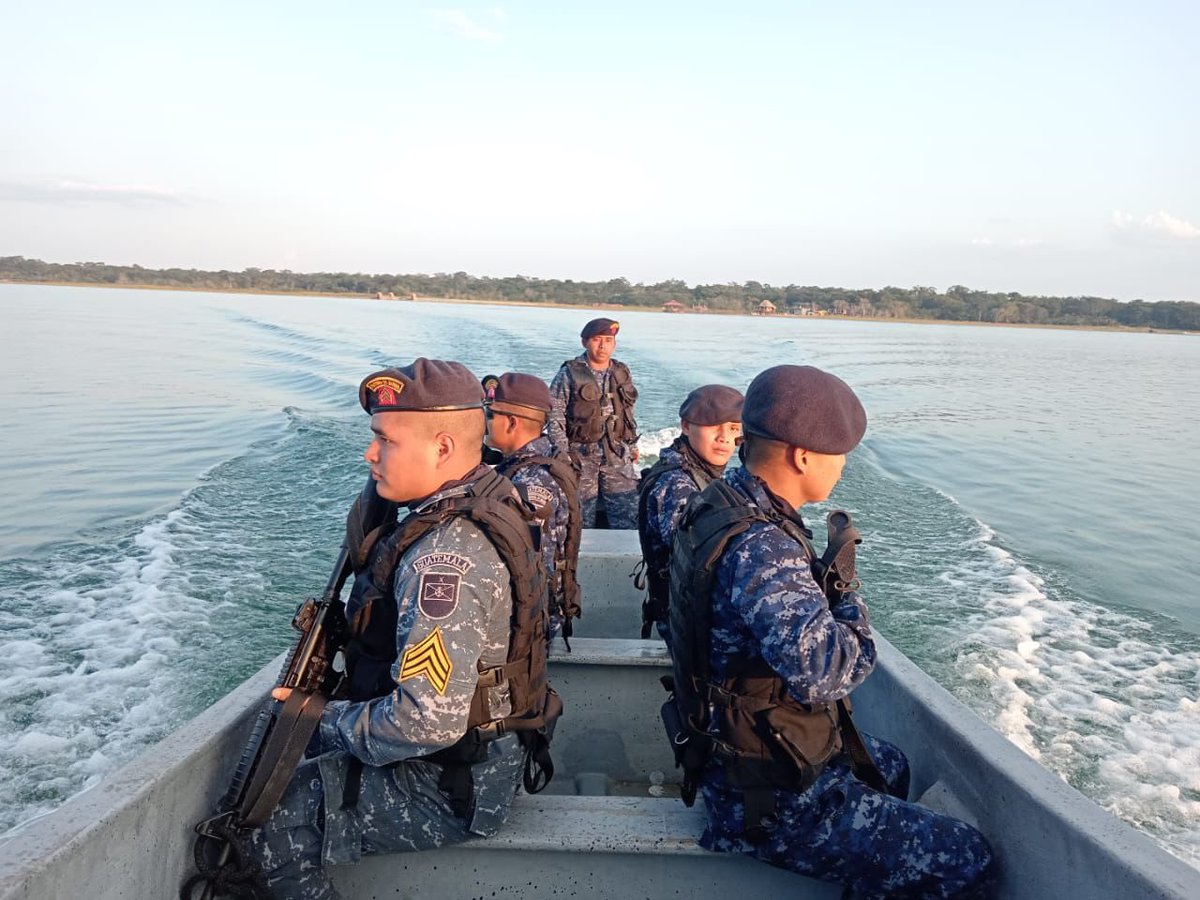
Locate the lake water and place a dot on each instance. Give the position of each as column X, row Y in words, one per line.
column 175, row 469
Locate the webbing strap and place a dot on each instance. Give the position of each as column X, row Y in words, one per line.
column 289, row 737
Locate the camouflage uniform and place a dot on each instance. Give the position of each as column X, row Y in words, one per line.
column 665, row 500
column 767, row 605
column 400, row 806
column 538, row 486
column 606, row 473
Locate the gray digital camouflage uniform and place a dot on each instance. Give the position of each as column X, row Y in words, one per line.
column 664, row 507
column 767, row 605
column 607, row 475
column 454, row 600
column 543, row 492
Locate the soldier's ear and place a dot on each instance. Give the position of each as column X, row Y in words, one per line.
column 798, row 457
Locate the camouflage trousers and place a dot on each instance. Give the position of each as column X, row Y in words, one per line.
column 399, row 809
column 842, row 831
column 611, row 486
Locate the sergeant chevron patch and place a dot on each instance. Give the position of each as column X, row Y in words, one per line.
column 428, row 658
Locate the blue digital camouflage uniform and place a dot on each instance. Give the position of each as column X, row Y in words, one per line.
column 664, row 507
column 606, row 474
column 543, row 492
column 767, row 605
column 439, row 642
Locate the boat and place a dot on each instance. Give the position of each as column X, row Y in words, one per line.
column 610, row 825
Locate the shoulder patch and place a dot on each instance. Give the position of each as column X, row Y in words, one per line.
column 429, row 659
column 437, row 594
column 455, row 561
column 539, row 496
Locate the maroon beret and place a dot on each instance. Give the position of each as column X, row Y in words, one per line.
column 427, row 385
column 712, row 404
column 518, row 389
column 804, row 407
column 600, row 326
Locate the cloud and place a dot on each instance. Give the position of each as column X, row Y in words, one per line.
column 66, row 192
column 457, row 21
column 1159, row 223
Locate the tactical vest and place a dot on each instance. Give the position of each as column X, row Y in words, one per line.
column 564, row 584
column 654, row 575
column 492, row 505
column 586, row 421
column 763, row 737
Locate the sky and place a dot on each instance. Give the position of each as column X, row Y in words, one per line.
column 1044, row 147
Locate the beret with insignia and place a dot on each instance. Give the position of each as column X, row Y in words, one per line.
column 712, row 404
column 600, row 326
column 804, row 406
column 426, row 385
column 519, row 389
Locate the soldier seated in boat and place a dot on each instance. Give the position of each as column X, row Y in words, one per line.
column 447, row 620
column 518, row 407
column 592, row 421
column 764, row 659
column 710, row 419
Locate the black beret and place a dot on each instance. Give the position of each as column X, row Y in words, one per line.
column 600, row 326
column 518, row 389
column 804, row 407
column 712, row 404
column 427, row 385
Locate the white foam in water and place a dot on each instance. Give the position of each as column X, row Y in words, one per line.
column 1089, row 692
column 652, row 443
column 89, row 683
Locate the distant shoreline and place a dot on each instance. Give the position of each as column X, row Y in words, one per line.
column 607, row 306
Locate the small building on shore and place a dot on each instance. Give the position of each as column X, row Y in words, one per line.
column 766, row 308
column 673, row 306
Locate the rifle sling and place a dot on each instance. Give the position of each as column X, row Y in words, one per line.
column 297, row 721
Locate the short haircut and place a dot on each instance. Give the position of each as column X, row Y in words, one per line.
column 759, row 450
column 465, row 425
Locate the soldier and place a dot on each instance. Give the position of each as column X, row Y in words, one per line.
column 592, row 421
column 447, row 623
column 517, row 409
column 711, row 421
column 763, row 656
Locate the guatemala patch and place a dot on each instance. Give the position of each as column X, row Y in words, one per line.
column 430, row 659
column 437, row 594
column 539, row 496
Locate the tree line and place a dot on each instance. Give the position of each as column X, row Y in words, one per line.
column 955, row 304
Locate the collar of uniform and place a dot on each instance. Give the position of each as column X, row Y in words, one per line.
column 599, row 373
column 539, row 446
column 763, row 497
column 684, row 448
column 450, row 489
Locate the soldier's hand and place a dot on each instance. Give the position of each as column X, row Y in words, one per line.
column 281, row 694
column 633, row 453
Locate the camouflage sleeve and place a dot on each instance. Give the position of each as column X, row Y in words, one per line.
column 632, row 442
column 822, row 655
column 542, row 492
column 673, row 491
column 453, row 597
column 556, row 426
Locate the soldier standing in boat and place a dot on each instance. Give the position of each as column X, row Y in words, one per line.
column 710, row 420
column 765, row 657
column 518, row 407
column 592, row 421
column 447, row 620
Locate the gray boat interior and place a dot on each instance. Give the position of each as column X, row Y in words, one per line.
column 611, row 824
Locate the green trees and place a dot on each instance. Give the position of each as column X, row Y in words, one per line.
column 958, row 303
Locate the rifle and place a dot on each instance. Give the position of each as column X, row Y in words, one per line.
column 313, row 671
column 836, row 574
